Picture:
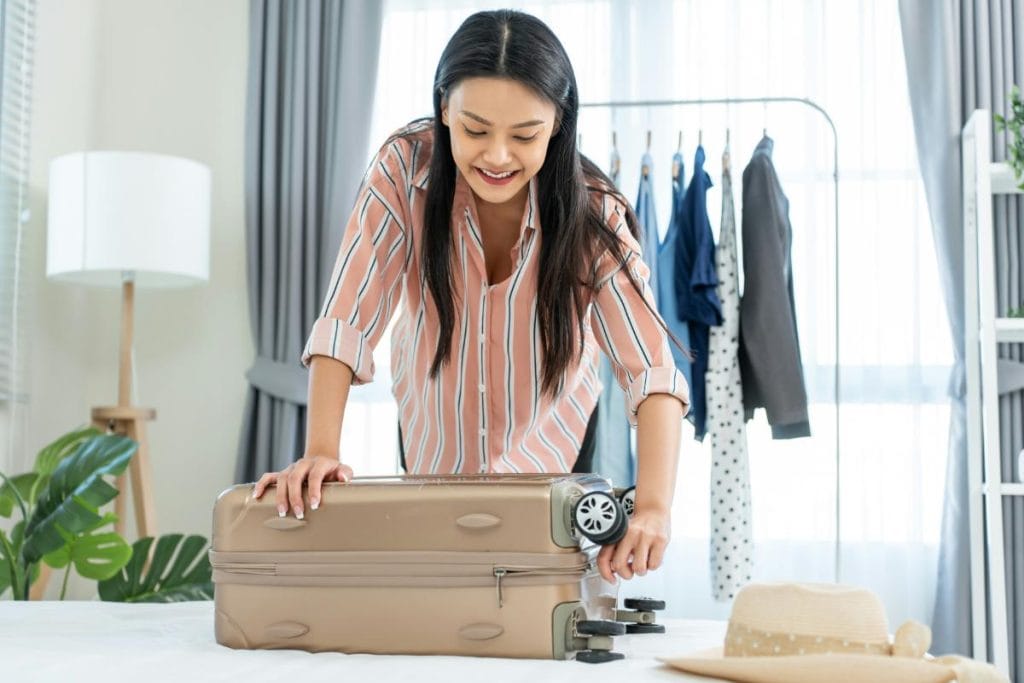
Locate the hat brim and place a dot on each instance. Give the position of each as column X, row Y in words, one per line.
column 835, row 668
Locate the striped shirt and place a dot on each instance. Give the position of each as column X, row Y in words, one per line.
column 485, row 411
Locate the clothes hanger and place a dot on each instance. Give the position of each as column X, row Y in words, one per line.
column 725, row 155
column 675, row 162
column 616, row 161
column 645, row 170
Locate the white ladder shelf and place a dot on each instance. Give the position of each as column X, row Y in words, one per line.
column 982, row 179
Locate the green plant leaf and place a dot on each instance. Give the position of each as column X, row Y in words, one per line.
column 7, row 559
column 52, row 455
column 25, row 484
column 188, row 577
column 12, row 573
column 1015, row 148
column 18, row 536
column 100, row 556
column 96, row 556
column 74, row 494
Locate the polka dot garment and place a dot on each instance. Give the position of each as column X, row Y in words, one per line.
column 731, row 532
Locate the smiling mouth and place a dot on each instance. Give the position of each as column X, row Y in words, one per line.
column 497, row 178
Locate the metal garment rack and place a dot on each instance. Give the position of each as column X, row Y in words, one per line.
column 640, row 104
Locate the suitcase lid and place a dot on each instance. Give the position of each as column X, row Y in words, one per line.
column 493, row 513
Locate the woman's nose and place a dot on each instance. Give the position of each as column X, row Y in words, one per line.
column 497, row 154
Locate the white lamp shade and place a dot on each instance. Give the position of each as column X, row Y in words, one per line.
column 112, row 212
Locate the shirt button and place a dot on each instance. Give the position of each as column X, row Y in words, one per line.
column 483, row 432
column 483, row 338
column 481, row 388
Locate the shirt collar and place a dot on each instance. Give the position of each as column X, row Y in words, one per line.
column 531, row 217
column 422, row 178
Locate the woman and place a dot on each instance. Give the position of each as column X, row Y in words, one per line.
column 517, row 260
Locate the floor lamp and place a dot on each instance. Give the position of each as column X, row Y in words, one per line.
column 128, row 219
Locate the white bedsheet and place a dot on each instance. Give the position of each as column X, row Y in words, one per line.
column 83, row 641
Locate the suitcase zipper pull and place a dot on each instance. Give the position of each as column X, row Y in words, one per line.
column 499, row 574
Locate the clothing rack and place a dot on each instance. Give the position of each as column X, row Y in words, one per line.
column 729, row 101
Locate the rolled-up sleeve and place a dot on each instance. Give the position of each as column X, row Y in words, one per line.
column 365, row 283
column 629, row 329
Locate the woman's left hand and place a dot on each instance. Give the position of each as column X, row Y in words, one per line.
column 642, row 549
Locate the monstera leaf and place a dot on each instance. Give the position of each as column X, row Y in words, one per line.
column 96, row 556
column 189, row 577
column 74, row 493
column 52, row 455
column 29, row 485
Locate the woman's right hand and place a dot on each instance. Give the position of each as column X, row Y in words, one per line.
column 316, row 468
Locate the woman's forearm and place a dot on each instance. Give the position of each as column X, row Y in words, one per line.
column 329, row 382
column 659, row 429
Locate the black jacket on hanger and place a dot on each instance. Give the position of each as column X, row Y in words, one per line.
column 770, row 364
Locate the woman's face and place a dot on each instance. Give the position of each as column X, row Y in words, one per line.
column 498, row 127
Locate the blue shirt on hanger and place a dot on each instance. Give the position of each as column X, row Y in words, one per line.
column 696, row 282
column 668, row 305
column 648, row 219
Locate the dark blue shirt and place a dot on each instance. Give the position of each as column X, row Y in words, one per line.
column 696, row 282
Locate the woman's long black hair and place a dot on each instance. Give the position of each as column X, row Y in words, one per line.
column 516, row 45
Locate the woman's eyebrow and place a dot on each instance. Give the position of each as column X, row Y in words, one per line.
column 475, row 117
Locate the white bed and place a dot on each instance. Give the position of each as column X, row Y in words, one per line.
column 99, row 641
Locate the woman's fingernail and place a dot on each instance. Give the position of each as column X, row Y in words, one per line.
column 298, row 512
column 281, row 511
column 314, row 504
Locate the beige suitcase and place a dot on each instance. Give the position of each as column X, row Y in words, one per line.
column 483, row 565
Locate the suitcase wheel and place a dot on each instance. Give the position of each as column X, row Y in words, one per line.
column 600, row 628
column 598, row 656
column 628, row 500
column 599, row 517
column 645, row 628
column 644, row 604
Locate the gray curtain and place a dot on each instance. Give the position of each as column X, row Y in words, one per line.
column 312, row 69
column 963, row 55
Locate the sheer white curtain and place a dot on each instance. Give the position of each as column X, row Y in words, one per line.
column 894, row 347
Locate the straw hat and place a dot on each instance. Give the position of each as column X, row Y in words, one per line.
column 809, row 633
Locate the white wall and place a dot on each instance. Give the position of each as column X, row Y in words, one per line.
column 166, row 76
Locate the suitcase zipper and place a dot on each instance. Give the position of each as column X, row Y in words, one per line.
column 501, row 572
column 232, row 564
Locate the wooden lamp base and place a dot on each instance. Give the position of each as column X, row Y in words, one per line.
column 131, row 422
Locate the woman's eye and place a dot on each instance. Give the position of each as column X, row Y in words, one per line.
column 479, row 133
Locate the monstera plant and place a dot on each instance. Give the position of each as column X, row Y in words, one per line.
column 61, row 524
column 1014, row 124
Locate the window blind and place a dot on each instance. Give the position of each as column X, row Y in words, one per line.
column 17, row 21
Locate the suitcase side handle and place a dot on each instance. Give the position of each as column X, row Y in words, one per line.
column 284, row 523
column 478, row 520
column 481, row 631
